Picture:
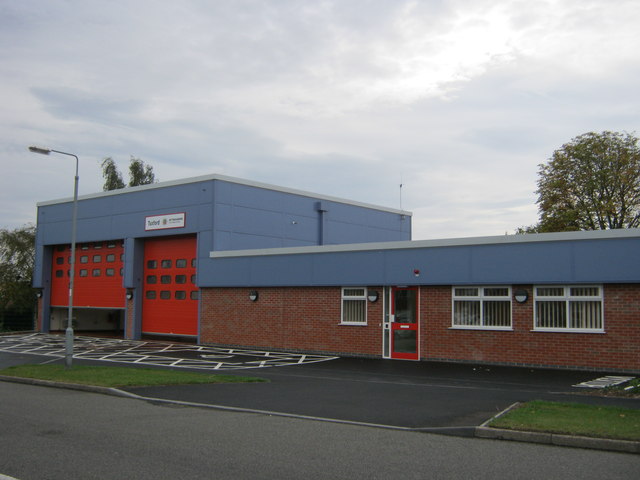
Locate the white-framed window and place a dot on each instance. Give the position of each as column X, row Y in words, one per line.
column 568, row 308
column 354, row 306
column 482, row 307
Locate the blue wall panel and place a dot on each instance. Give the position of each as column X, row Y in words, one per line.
column 222, row 240
column 226, row 213
column 621, row 263
column 522, row 263
column 281, row 219
column 265, row 270
column 223, row 214
column 348, row 269
column 614, row 260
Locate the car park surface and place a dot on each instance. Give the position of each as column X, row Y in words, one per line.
column 423, row 396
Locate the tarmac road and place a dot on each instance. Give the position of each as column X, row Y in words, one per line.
column 437, row 397
column 443, row 398
column 49, row 433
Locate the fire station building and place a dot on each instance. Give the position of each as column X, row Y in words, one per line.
column 227, row 261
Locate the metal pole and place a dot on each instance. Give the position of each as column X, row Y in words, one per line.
column 68, row 347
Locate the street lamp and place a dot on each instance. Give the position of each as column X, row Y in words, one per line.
column 68, row 349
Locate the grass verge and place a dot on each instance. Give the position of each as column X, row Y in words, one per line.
column 119, row 376
column 573, row 419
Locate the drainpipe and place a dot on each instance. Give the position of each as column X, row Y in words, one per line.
column 322, row 209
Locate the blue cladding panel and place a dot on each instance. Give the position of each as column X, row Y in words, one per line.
column 122, row 215
column 224, row 213
column 577, row 261
column 449, row 266
column 522, row 263
column 265, row 270
column 262, row 223
column 620, row 264
column 38, row 267
column 361, row 269
column 168, row 198
column 299, row 228
column 205, row 216
column 223, row 217
column 243, row 241
column 253, row 217
column 221, row 240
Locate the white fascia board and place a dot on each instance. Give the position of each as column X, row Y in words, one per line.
column 451, row 242
column 224, row 178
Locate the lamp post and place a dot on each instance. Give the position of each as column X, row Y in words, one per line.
column 68, row 348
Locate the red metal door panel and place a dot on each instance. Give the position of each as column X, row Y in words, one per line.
column 98, row 275
column 170, row 302
column 405, row 329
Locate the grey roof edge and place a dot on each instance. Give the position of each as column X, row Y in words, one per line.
column 450, row 242
column 224, row 178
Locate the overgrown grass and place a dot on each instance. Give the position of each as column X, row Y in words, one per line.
column 627, row 389
column 120, row 376
column 573, row 419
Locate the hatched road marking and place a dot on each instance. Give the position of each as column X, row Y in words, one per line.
column 154, row 353
column 604, row 382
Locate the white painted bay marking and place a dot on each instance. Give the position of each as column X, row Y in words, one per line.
column 604, row 382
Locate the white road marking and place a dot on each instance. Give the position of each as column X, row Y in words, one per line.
column 604, row 382
column 147, row 353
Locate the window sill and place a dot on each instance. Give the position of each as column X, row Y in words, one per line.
column 353, row 324
column 470, row 327
column 566, row 330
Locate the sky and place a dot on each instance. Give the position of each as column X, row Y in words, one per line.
column 444, row 108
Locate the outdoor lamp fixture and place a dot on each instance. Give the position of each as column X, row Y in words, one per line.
column 129, row 294
column 372, row 296
column 68, row 348
column 253, row 295
column 521, row 295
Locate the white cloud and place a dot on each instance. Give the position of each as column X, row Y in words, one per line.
column 459, row 100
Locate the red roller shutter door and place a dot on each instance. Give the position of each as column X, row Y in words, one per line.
column 170, row 302
column 98, row 275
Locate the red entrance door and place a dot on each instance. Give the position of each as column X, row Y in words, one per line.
column 404, row 324
column 170, row 303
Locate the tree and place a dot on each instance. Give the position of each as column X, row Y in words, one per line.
column 590, row 183
column 17, row 256
column 112, row 177
column 139, row 174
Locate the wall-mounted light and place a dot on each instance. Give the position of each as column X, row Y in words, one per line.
column 253, row 295
column 416, row 272
column 521, row 295
column 372, row 296
column 129, row 295
column 39, row 294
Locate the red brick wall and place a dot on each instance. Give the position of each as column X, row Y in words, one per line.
column 308, row 319
column 287, row 318
column 618, row 348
